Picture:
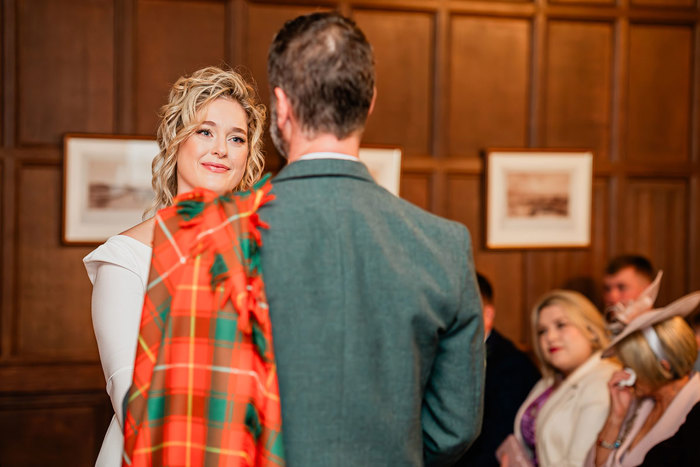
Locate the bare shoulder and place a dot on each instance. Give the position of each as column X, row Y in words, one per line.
column 142, row 232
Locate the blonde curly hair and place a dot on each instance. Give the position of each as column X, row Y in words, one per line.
column 179, row 121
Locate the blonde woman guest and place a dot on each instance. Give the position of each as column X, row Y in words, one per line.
column 558, row 422
column 660, row 347
column 210, row 136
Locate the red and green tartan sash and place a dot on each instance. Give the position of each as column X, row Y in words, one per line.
column 205, row 382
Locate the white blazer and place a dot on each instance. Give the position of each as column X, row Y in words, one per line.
column 569, row 421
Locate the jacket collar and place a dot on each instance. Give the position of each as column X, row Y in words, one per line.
column 570, row 382
column 582, row 370
column 323, row 168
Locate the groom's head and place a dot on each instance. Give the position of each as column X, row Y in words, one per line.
column 324, row 65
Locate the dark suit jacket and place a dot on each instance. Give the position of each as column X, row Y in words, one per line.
column 510, row 375
column 376, row 321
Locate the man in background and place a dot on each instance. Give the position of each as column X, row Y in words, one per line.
column 510, row 375
column 625, row 278
column 374, row 306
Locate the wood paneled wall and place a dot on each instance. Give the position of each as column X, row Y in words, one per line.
column 453, row 77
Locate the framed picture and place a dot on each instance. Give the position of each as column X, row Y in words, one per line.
column 106, row 185
column 538, row 198
column 384, row 164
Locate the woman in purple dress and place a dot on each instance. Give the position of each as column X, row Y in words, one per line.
column 558, row 422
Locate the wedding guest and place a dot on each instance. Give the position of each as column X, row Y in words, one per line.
column 626, row 276
column 557, row 423
column 510, row 375
column 658, row 347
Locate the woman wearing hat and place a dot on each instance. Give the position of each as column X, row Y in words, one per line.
column 557, row 423
column 660, row 349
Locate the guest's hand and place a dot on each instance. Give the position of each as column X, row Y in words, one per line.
column 620, row 396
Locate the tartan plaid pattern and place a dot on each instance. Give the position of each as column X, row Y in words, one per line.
column 205, row 386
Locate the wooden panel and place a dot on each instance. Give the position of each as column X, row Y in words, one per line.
column 5, row 106
column 53, row 290
column 600, row 227
column 655, row 225
column 63, row 430
column 53, row 377
column 587, row 2
column 501, row 268
column 262, row 23
column 415, row 188
column 173, row 39
column 403, row 52
column 577, row 94
column 65, row 72
column 488, row 85
column 659, row 93
column 694, row 232
column 663, row 3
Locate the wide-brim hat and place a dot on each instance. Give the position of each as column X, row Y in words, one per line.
column 681, row 307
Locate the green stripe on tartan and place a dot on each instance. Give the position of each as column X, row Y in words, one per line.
column 226, row 330
column 189, row 209
column 262, row 181
column 225, row 198
column 250, row 254
column 217, row 407
column 162, row 312
column 218, row 270
column 259, row 339
column 275, row 446
column 252, row 421
column 156, row 407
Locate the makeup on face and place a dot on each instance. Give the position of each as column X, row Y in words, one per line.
column 214, row 156
column 563, row 345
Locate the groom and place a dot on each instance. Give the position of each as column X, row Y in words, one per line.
column 374, row 306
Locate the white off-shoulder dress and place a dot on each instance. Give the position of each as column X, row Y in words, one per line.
column 118, row 270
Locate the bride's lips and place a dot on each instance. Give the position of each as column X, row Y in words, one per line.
column 215, row 167
column 554, row 349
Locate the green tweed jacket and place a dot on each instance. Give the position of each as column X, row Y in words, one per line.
column 376, row 320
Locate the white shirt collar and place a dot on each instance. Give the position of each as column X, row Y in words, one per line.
column 328, row 155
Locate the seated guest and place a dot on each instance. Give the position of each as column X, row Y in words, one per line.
column 659, row 347
column 695, row 323
column 509, row 377
column 558, row 422
column 626, row 276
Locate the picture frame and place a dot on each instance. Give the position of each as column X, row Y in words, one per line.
column 384, row 164
column 106, row 185
column 107, row 182
column 538, row 198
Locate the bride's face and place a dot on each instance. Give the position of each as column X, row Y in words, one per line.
column 214, row 156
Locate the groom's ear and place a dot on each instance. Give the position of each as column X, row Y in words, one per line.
column 374, row 99
column 282, row 105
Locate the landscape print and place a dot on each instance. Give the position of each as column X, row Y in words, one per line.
column 531, row 194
